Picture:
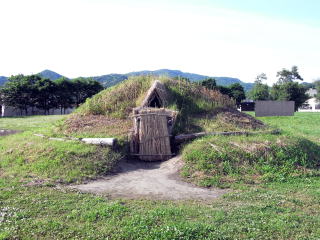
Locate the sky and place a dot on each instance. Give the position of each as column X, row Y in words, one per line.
column 233, row 38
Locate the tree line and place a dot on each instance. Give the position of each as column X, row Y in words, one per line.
column 34, row 92
column 317, row 86
column 235, row 90
column 286, row 88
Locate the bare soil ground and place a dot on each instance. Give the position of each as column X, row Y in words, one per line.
column 239, row 119
column 149, row 180
column 4, row 132
column 97, row 124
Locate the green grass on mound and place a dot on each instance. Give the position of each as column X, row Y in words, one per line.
column 24, row 155
column 30, row 156
column 221, row 161
column 119, row 100
column 184, row 96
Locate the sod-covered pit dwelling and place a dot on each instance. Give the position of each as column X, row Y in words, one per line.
column 148, row 112
column 145, row 113
column 198, row 109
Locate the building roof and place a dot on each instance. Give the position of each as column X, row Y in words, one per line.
column 312, row 92
column 157, row 94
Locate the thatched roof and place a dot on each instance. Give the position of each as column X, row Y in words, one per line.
column 157, row 96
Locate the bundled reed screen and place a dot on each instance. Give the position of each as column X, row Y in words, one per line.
column 150, row 138
column 154, row 138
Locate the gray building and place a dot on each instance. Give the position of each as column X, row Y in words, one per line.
column 274, row 108
column 7, row 111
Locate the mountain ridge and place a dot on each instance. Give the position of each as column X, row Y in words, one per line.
column 50, row 74
column 224, row 81
column 112, row 79
column 3, row 79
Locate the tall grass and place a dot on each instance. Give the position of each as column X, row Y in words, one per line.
column 190, row 100
column 119, row 100
column 222, row 161
column 194, row 102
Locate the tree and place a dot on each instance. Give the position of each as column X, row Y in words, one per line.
column 45, row 94
column 63, row 94
column 285, row 75
column 19, row 92
column 183, row 79
column 317, row 86
column 290, row 91
column 237, row 92
column 84, row 88
column 234, row 91
column 287, row 89
column 224, row 90
column 209, row 83
column 260, row 91
column 25, row 92
column 261, row 78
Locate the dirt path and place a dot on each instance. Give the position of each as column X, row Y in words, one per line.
column 137, row 179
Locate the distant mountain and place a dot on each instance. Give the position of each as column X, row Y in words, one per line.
column 50, row 74
column 170, row 73
column 308, row 85
column 224, row 81
column 3, row 80
column 110, row 79
column 113, row 79
column 45, row 74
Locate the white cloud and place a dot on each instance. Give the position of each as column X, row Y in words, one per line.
column 78, row 37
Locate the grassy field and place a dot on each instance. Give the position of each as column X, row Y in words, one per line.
column 24, row 155
column 32, row 123
column 302, row 124
column 35, row 204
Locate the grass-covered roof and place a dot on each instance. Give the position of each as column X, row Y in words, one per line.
column 196, row 105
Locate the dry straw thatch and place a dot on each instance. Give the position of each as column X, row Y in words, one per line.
column 153, row 125
column 157, row 96
column 154, row 134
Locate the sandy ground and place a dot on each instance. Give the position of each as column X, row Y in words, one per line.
column 158, row 180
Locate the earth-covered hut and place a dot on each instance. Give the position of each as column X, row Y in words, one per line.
column 146, row 111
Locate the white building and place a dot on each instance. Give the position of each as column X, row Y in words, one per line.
column 312, row 104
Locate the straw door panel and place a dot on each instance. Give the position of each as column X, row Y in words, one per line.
column 154, row 139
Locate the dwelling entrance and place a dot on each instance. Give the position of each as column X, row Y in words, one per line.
column 155, row 101
column 151, row 140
